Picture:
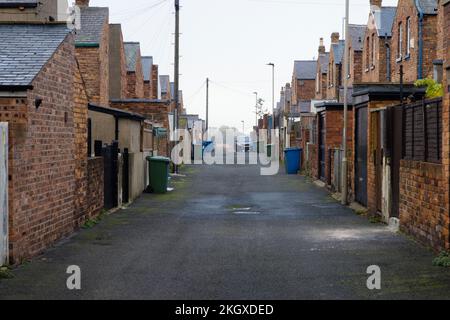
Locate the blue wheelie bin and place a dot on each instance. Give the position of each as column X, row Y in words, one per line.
column 292, row 161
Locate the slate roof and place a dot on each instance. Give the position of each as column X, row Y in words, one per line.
column 356, row 33
column 429, row 6
column 25, row 49
column 147, row 63
column 92, row 22
column 164, row 83
column 18, row 3
column 338, row 50
column 132, row 50
column 324, row 60
column 305, row 70
column 384, row 19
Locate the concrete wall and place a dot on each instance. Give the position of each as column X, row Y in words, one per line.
column 130, row 135
column 103, row 127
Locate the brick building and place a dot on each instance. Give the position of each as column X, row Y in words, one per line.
column 303, row 81
column 321, row 72
column 33, row 11
column 135, row 73
column 414, row 40
column 147, row 67
column 377, row 44
column 53, row 185
column 117, row 63
column 155, row 88
column 356, row 35
column 334, row 76
column 92, row 51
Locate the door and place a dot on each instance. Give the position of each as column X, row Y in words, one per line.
column 322, row 153
column 378, row 157
column 361, row 156
column 111, row 175
column 3, row 193
column 396, row 156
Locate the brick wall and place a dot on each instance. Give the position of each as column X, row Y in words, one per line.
column 334, row 78
column 117, row 63
column 147, row 90
column 356, row 68
column 422, row 203
column 374, row 71
column 154, row 82
column 80, row 110
column 94, row 66
column 135, row 81
column 305, row 90
column 405, row 9
column 95, row 195
column 42, row 161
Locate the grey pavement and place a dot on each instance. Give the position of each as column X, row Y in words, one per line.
column 228, row 233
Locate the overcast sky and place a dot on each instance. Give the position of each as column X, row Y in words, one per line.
column 231, row 42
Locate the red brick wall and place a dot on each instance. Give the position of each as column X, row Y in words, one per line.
column 42, row 163
column 94, row 66
column 376, row 72
column 405, row 9
column 95, row 195
column 334, row 78
column 147, row 90
column 80, row 110
column 305, row 90
column 154, row 82
column 422, row 203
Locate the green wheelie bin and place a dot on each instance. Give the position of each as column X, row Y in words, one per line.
column 159, row 174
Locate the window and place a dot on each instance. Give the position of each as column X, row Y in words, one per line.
column 438, row 71
column 408, row 36
column 317, row 82
column 422, row 132
column 400, row 42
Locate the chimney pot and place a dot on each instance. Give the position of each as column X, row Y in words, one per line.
column 321, row 47
column 335, row 37
column 375, row 4
column 82, row 3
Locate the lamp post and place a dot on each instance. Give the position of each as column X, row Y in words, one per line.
column 344, row 135
column 243, row 127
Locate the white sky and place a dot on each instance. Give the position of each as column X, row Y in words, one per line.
column 231, row 41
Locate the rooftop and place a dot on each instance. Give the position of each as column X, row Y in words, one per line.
column 25, row 49
column 92, row 23
column 147, row 63
column 305, row 69
column 132, row 51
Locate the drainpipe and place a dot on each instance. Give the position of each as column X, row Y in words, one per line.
column 420, row 62
column 388, row 58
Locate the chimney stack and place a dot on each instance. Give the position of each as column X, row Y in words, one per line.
column 335, row 37
column 375, row 5
column 321, row 47
column 82, row 3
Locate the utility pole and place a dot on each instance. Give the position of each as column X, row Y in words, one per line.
column 273, row 94
column 207, row 104
column 256, row 107
column 176, row 72
column 344, row 135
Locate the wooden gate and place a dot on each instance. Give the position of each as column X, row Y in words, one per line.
column 322, row 151
column 3, row 194
column 361, row 156
column 111, row 179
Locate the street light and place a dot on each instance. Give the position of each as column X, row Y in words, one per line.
column 344, row 135
column 256, row 107
column 243, row 127
column 273, row 94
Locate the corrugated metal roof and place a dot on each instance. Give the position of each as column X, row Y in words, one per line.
column 305, row 69
column 92, row 22
column 147, row 63
column 132, row 51
column 25, row 49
